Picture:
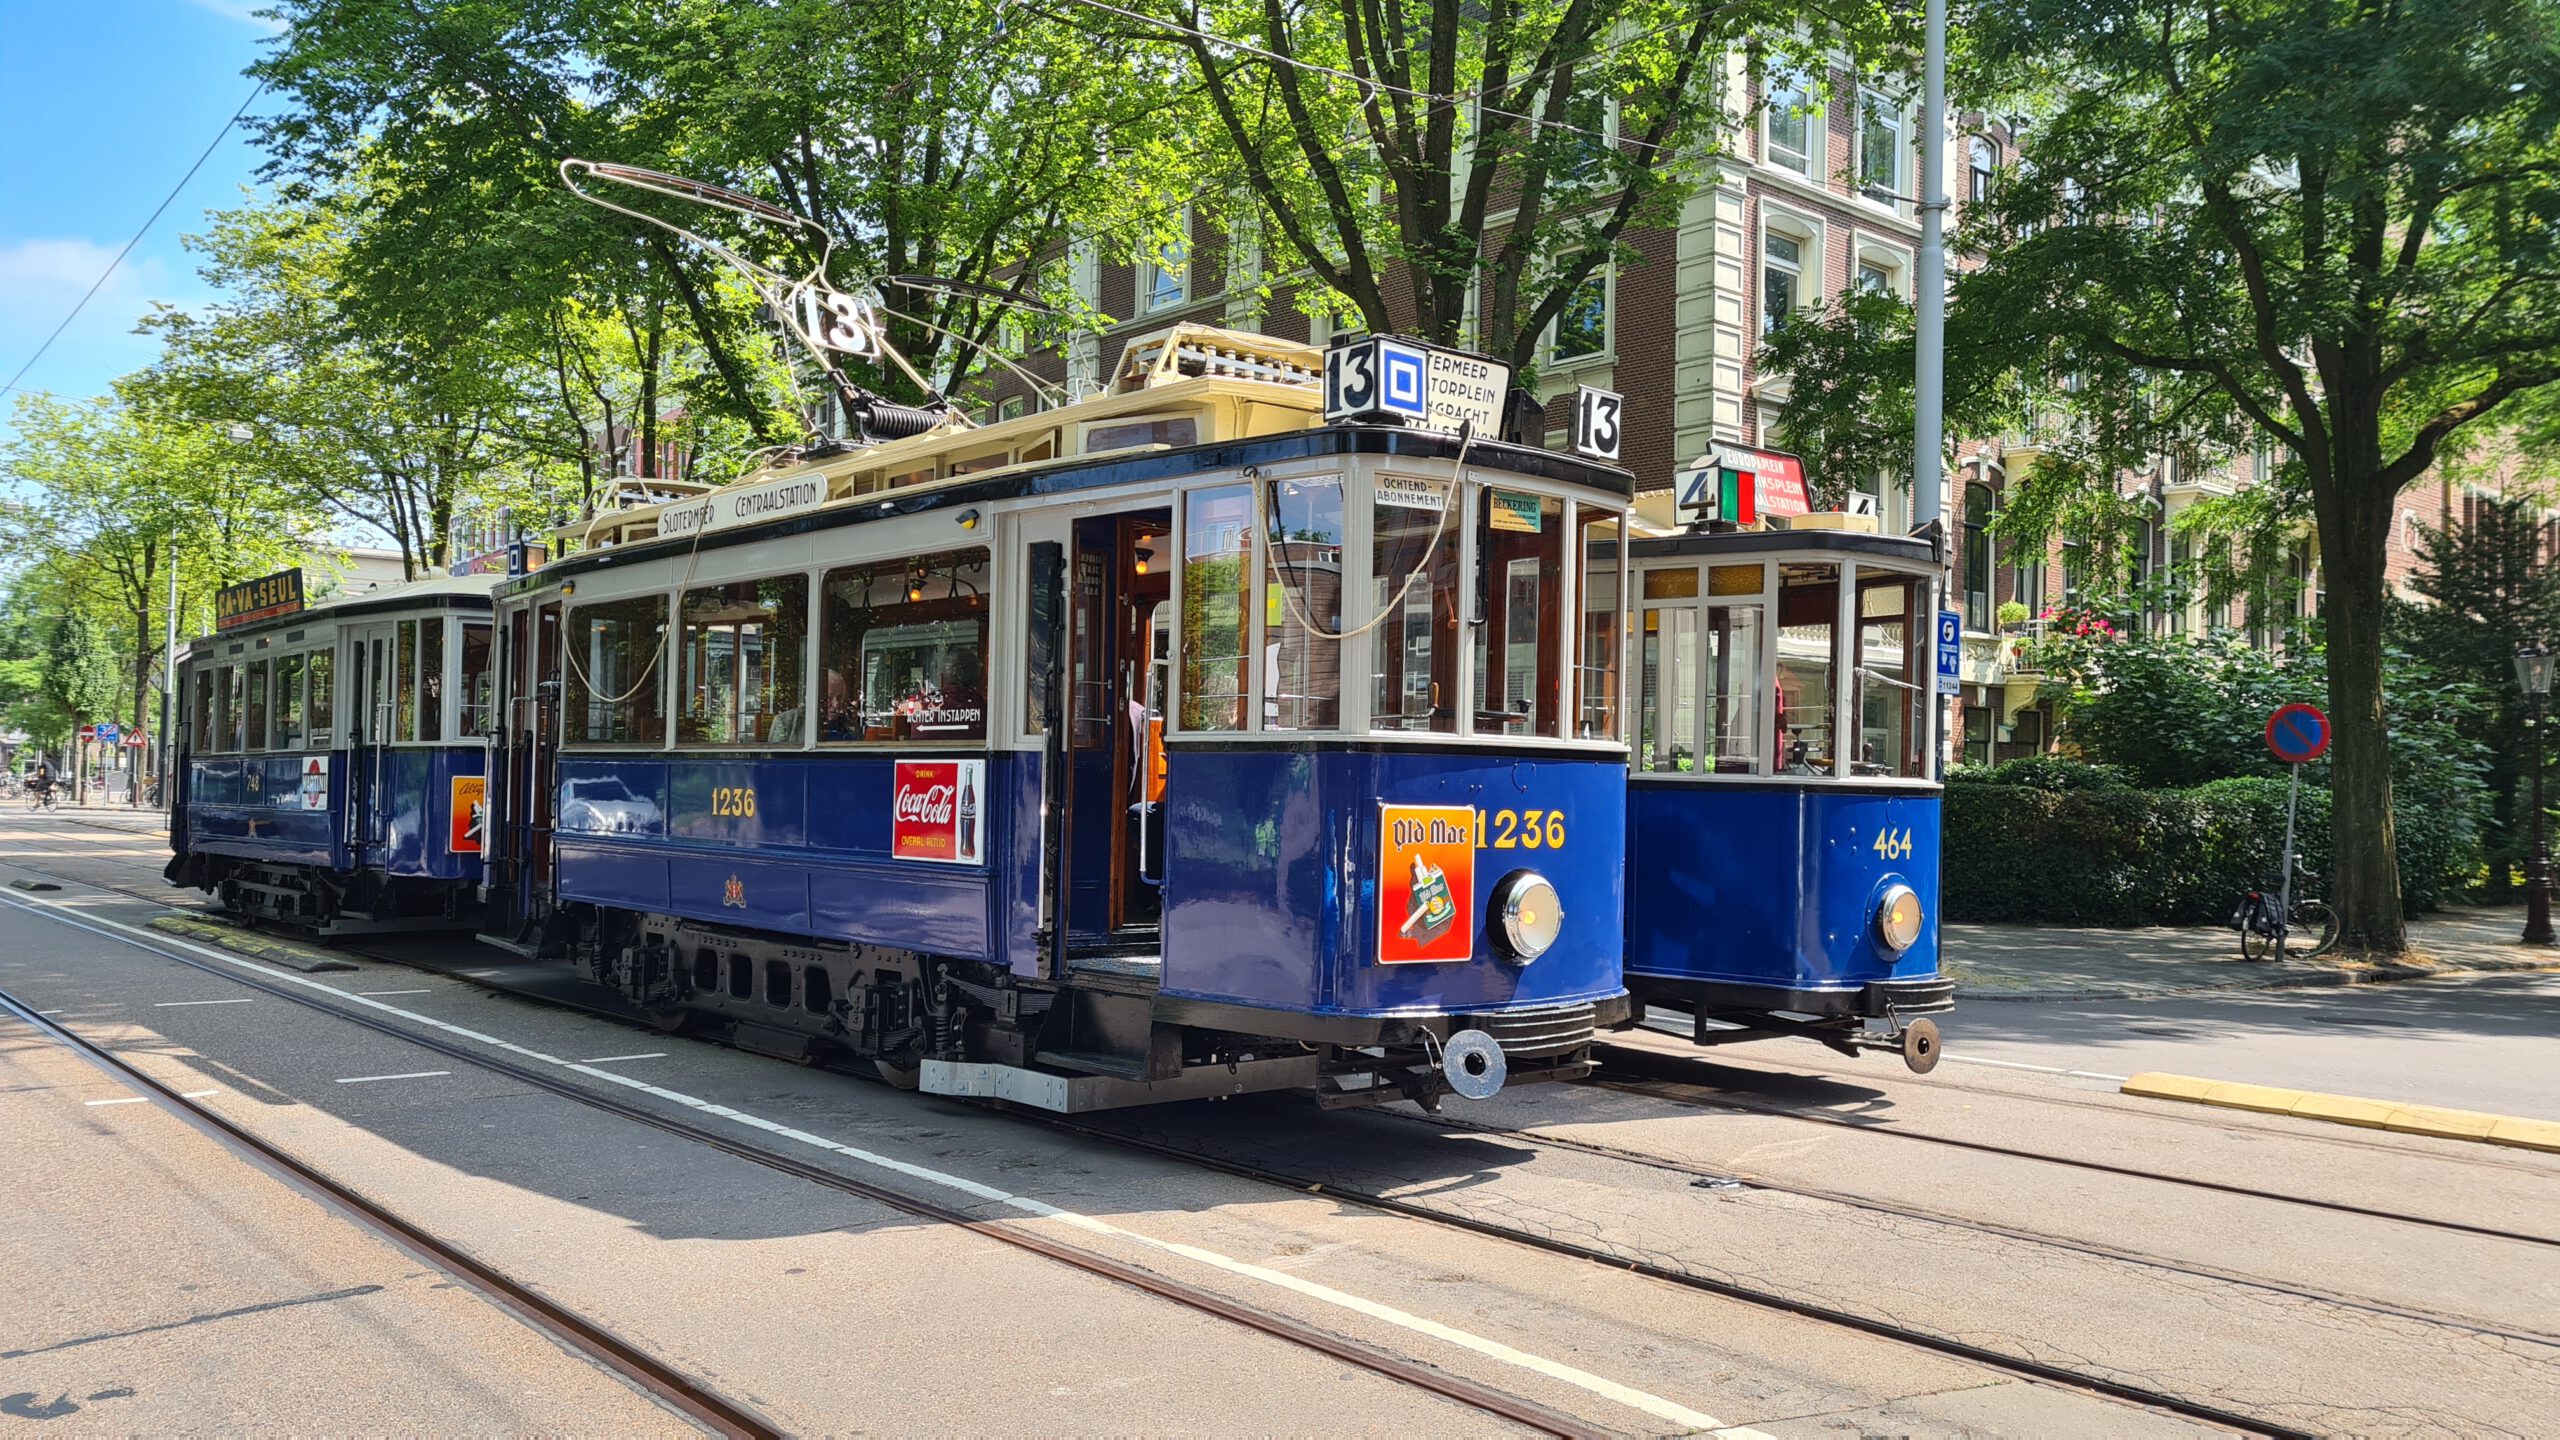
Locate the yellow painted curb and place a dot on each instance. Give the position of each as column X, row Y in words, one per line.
column 2433, row 1120
column 281, row 952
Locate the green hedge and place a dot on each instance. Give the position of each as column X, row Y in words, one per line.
column 2108, row 854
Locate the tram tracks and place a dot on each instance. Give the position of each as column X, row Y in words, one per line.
column 668, row 1384
column 2087, row 1377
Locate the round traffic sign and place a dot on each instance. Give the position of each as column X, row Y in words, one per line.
column 2298, row 733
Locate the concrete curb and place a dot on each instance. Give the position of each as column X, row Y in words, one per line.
column 2434, row 1120
column 263, row 947
column 2314, row 980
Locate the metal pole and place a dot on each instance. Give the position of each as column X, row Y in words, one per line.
column 1929, row 346
column 2537, row 871
column 2284, row 883
column 169, row 692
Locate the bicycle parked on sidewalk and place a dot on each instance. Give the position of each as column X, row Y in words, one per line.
column 2308, row 932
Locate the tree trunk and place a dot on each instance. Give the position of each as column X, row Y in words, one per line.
column 2365, row 851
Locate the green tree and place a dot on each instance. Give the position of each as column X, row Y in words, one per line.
column 2327, row 225
column 1425, row 158
column 2488, row 589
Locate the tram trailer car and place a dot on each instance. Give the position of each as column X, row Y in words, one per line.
column 1782, row 853
column 332, row 759
column 1168, row 744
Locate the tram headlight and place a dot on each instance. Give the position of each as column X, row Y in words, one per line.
column 1898, row 918
column 1530, row 914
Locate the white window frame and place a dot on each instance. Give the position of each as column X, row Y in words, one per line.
column 1152, row 270
column 1894, row 262
column 1806, row 232
column 1891, row 190
column 1816, row 131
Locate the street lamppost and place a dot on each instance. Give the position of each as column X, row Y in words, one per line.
column 2533, row 672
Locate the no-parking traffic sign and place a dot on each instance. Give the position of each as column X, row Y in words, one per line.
column 2298, row 734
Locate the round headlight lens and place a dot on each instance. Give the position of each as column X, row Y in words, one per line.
column 1898, row 918
column 1530, row 913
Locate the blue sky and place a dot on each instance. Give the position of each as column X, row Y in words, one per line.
column 103, row 105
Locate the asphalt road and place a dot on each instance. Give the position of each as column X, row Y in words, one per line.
column 1966, row 1203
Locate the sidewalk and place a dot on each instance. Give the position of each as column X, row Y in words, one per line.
column 2037, row 962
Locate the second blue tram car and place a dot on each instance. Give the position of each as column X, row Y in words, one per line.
column 1782, row 866
column 331, row 760
column 1169, row 743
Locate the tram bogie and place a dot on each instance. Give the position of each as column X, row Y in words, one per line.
column 1783, row 847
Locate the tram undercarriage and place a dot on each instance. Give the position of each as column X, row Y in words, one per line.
column 955, row 1027
column 322, row 904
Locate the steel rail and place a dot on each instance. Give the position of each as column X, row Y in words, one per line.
column 668, row 1384
column 1657, row 1086
column 1522, row 1412
column 2020, row 1365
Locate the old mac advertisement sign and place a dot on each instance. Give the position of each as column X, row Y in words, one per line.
column 1426, row 883
column 936, row 811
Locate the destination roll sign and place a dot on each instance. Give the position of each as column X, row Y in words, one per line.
column 260, row 599
column 1388, row 377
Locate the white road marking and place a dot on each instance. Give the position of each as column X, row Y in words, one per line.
column 196, row 1094
column 174, row 1004
column 1650, row 1404
column 2039, row 1069
column 395, row 992
column 609, row 1059
column 127, row 1100
column 403, row 1075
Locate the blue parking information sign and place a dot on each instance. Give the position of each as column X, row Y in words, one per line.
column 1950, row 653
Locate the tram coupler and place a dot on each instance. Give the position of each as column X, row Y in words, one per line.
column 1916, row 1041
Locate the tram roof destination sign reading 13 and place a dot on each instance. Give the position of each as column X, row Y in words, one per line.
column 1389, row 377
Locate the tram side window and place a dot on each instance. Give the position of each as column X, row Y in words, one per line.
column 206, row 710
column 1415, row 685
column 1302, row 607
column 1733, row 688
column 1217, row 557
column 744, row 654
column 405, row 691
column 1808, row 626
column 431, row 679
column 479, row 683
column 288, row 703
column 1520, row 549
column 1667, row 713
column 903, row 644
column 254, row 735
column 235, row 696
column 317, row 677
column 612, row 695
column 1596, row 661
column 1892, row 685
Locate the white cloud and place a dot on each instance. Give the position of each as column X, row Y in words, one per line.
column 44, row 277
column 242, row 11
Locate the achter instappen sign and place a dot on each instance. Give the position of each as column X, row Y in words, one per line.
column 260, row 599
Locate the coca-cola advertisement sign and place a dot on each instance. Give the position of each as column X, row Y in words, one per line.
column 937, row 811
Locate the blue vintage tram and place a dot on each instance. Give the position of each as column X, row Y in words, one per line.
column 1169, row 743
column 331, row 758
column 1782, row 866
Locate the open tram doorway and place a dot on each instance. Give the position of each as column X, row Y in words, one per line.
column 528, row 751
column 1119, row 672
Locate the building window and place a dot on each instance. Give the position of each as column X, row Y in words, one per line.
column 1978, row 179
column 1875, row 279
column 1164, row 278
column 1582, row 327
column 1791, row 127
column 1883, row 141
column 1781, row 278
column 1011, row 407
column 1977, row 557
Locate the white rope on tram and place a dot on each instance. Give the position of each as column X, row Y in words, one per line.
column 1289, row 597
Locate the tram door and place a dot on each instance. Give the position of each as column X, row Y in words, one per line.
column 532, row 740
column 1119, row 644
column 372, row 691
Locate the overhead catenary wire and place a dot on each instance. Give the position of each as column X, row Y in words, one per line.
column 154, row 219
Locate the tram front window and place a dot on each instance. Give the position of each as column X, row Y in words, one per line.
column 1808, row 626
column 1414, row 574
column 1603, row 624
column 1302, row 611
column 1892, row 685
column 1520, row 548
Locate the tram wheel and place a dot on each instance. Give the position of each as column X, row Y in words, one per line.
column 1920, row 1046
column 672, row 1020
column 903, row 1077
